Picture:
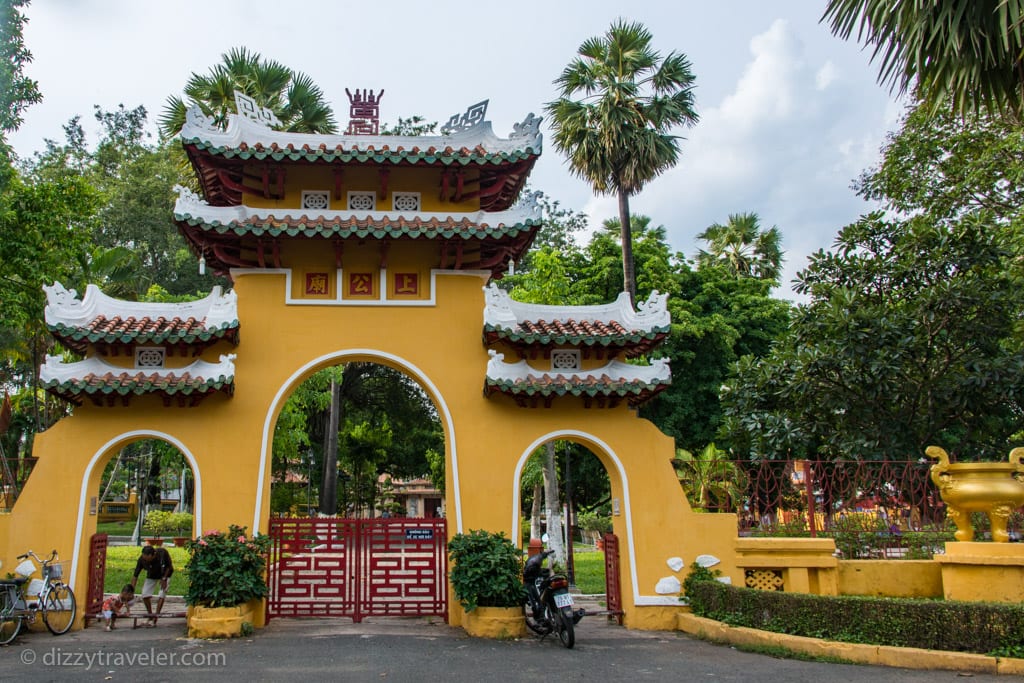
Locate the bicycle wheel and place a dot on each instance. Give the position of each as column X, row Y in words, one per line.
column 59, row 609
column 10, row 623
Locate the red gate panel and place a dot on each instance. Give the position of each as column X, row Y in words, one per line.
column 613, row 583
column 334, row 567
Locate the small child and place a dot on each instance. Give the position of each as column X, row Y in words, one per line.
column 113, row 606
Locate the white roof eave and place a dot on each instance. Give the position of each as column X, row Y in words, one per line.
column 63, row 308
column 190, row 205
column 502, row 311
column 55, row 369
column 240, row 129
column 658, row 372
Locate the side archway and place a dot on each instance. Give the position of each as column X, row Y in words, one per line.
column 616, row 472
column 99, row 459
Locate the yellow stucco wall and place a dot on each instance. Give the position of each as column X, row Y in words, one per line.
column 227, row 440
column 890, row 578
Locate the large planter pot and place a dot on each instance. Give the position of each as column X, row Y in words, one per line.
column 495, row 622
column 994, row 488
column 219, row 622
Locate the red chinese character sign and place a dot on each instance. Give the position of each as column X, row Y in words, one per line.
column 316, row 284
column 360, row 284
column 407, row 283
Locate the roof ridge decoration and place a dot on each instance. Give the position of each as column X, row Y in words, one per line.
column 248, row 108
column 191, row 207
column 658, row 372
column 200, row 128
column 218, row 310
column 474, row 116
column 501, row 311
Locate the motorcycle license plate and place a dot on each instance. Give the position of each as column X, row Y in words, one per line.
column 563, row 600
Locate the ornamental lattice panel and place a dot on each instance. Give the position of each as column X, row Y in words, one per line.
column 764, row 579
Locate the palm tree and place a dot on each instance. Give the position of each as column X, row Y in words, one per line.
column 745, row 249
column 293, row 96
column 967, row 51
column 709, row 478
column 617, row 135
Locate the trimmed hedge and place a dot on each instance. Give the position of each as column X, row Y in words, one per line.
column 982, row 628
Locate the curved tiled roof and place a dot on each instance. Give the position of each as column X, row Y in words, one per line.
column 100, row 319
column 244, row 220
column 606, row 386
column 248, row 140
column 106, row 384
column 611, row 327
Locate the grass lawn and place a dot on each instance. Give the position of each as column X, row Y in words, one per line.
column 588, row 567
column 121, row 564
column 116, row 528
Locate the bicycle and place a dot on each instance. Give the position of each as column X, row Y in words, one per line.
column 21, row 598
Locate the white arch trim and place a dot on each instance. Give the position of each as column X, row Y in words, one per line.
column 289, row 385
column 197, row 510
column 576, row 434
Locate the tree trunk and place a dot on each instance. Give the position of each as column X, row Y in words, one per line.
column 626, row 236
column 535, row 510
column 329, row 484
column 552, row 507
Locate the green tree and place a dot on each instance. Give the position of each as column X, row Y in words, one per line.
column 710, row 479
column 17, row 91
column 908, row 341
column 968, row 52
column 744, row 247
column 617, row 136
column 292, row 96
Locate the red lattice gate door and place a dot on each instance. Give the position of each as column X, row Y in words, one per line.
column 334, row 567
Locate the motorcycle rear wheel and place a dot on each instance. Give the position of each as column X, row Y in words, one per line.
column 564, row 621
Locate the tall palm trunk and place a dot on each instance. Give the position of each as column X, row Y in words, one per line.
column 626, row 236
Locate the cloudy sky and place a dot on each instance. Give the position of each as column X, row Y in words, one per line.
column 789, row 115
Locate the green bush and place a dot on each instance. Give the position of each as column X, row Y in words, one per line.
column 180, row 523
column 226, row 569
column 157, row 523
column 983, row 628
column 487, row 570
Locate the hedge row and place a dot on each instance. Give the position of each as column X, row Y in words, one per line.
column 983, row 628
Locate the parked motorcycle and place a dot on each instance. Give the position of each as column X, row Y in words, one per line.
column 549, row 606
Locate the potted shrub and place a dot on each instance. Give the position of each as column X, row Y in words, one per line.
column 156, row 525
column 226, row 582
column 595, row 525
column 180, row 524
column 486, row 576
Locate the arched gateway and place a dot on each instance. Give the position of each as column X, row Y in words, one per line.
column 362, row 247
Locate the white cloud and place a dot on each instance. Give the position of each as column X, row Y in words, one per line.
column 826, row 75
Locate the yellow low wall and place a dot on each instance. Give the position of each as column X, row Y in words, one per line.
column 802, row 565
column 890, row 578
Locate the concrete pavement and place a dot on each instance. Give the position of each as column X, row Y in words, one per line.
column 410, row 649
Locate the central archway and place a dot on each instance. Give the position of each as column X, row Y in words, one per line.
column 335, row 358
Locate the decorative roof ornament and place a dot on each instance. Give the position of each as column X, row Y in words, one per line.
column 195, row 118
column 474, row 116
column 248, row 108
column 529, row 202
column 528, row 131
column 187, row 199
column 364, row 112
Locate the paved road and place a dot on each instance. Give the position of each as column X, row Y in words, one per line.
column 411, row 649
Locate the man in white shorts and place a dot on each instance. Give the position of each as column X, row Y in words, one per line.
column 156, row 562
